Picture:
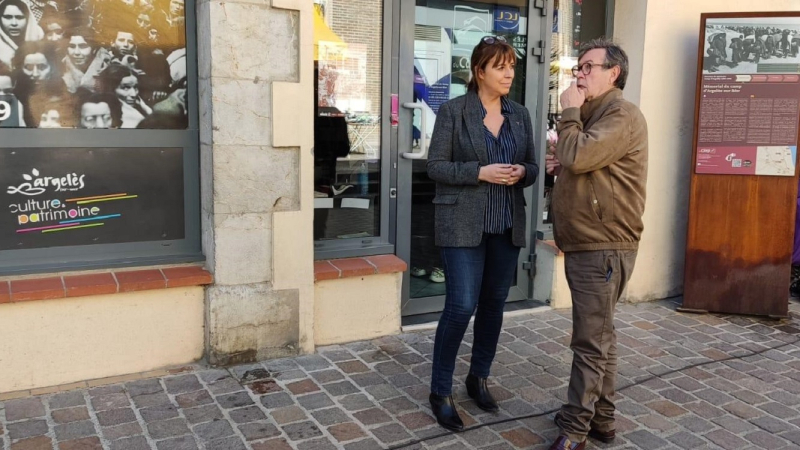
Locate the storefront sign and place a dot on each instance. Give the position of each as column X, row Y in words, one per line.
column 85, row 196
column 749, row 97
column 506, row 19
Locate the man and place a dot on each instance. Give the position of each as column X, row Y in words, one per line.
column 736, row 51
column 100, row 111
column 598, row 202
column 124, row 44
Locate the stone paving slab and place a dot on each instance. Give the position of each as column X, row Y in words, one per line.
column 686, row 382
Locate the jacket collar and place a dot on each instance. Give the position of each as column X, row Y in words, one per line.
column 505, row 107
column 474, row 113
column 599, row 104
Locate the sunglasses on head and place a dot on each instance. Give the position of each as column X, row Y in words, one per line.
column 493, row 39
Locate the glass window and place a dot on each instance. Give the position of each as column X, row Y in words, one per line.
column 76, row 199
column 93, row 64
column 348, row 68
column 445, row 34
column 574, row 22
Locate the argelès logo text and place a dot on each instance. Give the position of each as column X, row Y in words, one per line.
column 35, row 184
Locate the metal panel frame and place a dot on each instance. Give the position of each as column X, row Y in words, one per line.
column 543, row 230
column 134, row 253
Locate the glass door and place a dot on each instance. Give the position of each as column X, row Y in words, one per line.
column 436, row 41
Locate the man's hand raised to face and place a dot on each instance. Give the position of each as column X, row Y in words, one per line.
column 573, row 97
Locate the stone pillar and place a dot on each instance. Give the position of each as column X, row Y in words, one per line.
column 256, row 168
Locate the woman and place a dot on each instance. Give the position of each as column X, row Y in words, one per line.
column 16, row 26
column 481, row 157
column 37, row 77
column 84, row 62
column 124, row 83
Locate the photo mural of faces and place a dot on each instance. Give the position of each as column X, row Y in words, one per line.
column 94, row 63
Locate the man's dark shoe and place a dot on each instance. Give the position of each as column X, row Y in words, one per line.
column 604, row 437
column 562, row 443
column 479, row 391
column 445, row 411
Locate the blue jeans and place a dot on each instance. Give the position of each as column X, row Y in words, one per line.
column 476, row 277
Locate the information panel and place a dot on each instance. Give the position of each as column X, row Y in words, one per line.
column 749, row 97
column 55, row 197
column 743, row 196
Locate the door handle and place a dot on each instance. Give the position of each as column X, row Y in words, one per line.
column 423, row 137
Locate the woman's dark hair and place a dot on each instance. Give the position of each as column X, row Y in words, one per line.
column 49, row 50
column 156, row 68
column 86, row 33
column 499, row 51
column 26, row 11
column 50, row 15
column 63, row 104
column 113, row 75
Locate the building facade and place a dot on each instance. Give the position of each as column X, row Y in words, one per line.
column 288, row 206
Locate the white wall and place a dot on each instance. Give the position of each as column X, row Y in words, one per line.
column 52, row 342
column 663, row 56
column 357, row 308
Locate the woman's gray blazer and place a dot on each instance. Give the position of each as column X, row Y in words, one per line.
column 457, row 152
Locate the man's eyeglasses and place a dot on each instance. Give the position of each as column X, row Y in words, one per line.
column 586, row 68
column 493, row 39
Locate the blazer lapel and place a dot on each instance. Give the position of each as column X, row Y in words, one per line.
column 518, row 131
column 474, row 122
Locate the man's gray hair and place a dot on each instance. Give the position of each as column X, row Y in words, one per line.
column 615, row 56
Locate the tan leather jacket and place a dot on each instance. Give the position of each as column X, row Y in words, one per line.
column 598, row 199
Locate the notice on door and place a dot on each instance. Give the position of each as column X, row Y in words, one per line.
column 54, row 197
column 749, row 97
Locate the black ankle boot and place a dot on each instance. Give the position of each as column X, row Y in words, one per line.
column 479, row 391
column 445, row 411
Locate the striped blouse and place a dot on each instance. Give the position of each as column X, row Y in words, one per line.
column 501, row 151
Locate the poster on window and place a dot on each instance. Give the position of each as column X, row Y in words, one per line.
column 86, row 196
column 749, row 106
column 93, row 64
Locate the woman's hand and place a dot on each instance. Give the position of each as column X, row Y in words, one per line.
column 551, row 165
column 496, row 173
column 517, row 173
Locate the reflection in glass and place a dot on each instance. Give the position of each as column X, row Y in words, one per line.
column 574, row 22
column 59, row 54
column 347, row 118
column 445, row 34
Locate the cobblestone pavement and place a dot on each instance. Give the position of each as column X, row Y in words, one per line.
column 745, row 394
